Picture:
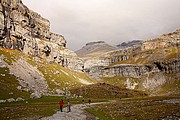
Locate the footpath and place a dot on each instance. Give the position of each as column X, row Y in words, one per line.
column 77, row 113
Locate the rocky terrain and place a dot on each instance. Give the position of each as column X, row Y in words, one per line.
column 33, row 60
column 25, row 30
column 150, row 65
column 37, row 62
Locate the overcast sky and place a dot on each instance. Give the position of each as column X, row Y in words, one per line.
column 113, row 21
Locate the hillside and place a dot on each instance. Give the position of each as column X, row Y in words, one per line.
column 152, row 66
column 103, row 90
column 34, row 62
column 94, row 49
column 37, row 70
column 24, row 76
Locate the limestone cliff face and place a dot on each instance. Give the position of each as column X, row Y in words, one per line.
column 163, row 46
column 25, row 30
column 154, row 63
column 163, row 41
column 125, row 70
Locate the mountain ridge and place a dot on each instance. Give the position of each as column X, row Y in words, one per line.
column 94, row 48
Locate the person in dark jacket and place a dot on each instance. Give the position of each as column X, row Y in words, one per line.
column 61, row 103
column 89, row 101
column 83, row 101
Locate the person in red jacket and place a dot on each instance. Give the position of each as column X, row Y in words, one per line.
column 61, row 103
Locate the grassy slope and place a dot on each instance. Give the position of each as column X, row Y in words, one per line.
column 54, row 74
column 119, row 81
column 8, row 86
column 102, row 90
column 9, row 82
column 64, row 77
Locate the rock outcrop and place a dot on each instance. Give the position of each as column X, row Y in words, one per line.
column 28, row 47
column 30, row 78
column 126, row 70
column 154, row 62
column 24, row 30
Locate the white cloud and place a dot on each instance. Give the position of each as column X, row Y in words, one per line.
column 113, row 21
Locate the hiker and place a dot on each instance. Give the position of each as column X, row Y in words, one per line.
column 89, row 101
column 61, row 103
column 69, row 106
column 83, row 101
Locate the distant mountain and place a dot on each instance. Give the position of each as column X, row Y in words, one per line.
column 95, row 49
column 130, row 44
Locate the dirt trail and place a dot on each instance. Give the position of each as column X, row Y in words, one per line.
column 77, row 113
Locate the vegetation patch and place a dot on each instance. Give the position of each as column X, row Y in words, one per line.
column 9, row 84
column 140, row 109
column 103, row 90
column 99, row 114
column 119, row 81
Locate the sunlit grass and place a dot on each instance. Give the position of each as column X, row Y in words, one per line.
column 140, row 109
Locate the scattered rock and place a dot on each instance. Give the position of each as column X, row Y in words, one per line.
column 11, row 100
column 19, row 99
column 2, row 101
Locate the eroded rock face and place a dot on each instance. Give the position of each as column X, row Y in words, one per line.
column 154, row 81
column 126, row 70
column 153, row 63
column 163, row 41
column 172, row 66
column 30, row 78
column 25, row 30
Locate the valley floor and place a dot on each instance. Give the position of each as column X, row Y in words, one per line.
column 154, row 108
column 161, row 108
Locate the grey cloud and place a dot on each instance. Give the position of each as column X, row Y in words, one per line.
column 113, row 21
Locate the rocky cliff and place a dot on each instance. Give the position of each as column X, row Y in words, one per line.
column 150, row 65
column 24, row 30
column 33, row 60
